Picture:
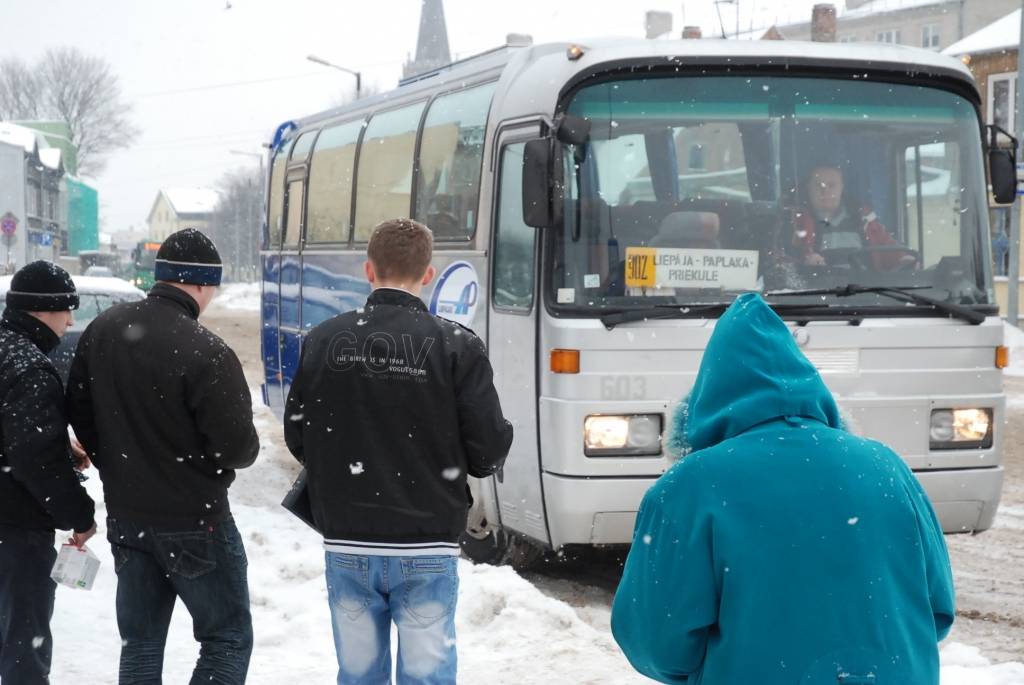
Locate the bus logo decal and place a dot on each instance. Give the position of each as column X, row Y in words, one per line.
column 456, row 294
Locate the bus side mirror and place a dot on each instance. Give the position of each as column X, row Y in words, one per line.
column 542, row 193
column 1002, row 166
column 1003, row 172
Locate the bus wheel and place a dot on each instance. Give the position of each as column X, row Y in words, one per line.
column 499, row 548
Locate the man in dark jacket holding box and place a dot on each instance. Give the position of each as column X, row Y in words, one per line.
column 39, row 490
column 390, row 410
column 162, row 407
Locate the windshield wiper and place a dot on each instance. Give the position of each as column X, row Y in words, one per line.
column 662, row 311
column 901, row 293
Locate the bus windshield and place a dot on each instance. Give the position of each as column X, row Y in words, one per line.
column 692, row 190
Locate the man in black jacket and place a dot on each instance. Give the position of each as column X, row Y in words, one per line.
column 390, row 410
column 39, row 490
column 162, row 407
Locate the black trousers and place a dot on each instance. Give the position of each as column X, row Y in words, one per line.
column 26, row 605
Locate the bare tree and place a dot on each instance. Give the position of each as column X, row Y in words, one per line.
column 69, row 86
column 84, row 92
column 236, row 223
column 19, row 90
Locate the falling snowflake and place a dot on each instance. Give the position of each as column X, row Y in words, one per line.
column 356, row 468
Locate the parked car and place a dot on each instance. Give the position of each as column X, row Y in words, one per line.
column 95, row 294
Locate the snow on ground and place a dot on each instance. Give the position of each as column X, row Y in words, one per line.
column 509, row 631
column 239, row 296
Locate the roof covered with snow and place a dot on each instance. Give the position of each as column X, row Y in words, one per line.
column 1001, row 34
column 192, row 200
column 18, row 135
column 50, row 157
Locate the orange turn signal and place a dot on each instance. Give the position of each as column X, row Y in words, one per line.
column 1002, row 357
column 565, row 361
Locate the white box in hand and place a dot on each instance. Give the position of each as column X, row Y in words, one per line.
column 75, row 567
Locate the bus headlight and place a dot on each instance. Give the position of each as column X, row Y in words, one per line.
column 635, row 435
column 953, row 429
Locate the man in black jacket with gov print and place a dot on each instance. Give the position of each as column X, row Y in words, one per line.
column 390, row 410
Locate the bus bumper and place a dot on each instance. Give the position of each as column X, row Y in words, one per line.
column 602, row 511
column 965, row 500
column 593, row 511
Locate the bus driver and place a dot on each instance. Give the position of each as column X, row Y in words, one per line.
column 826, row 232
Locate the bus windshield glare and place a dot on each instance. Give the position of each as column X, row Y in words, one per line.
column 692, row 190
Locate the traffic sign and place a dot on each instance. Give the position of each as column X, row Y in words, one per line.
column 8, row 224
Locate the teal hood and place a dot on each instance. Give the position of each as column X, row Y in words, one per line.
column 751, row 349
column 784, row 550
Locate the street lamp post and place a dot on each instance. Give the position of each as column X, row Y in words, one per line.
column 323, row 62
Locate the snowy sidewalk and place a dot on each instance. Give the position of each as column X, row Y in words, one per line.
column 509, row 631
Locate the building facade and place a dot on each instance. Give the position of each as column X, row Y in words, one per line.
column 933, row 25
column 33, row 198
column 178, row 208
column 991, row 55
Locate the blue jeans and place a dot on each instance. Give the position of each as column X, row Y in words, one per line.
column 206, row 568
column 419, row 593
column 26, row 605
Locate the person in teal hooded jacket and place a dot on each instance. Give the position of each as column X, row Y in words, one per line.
column 781, row 549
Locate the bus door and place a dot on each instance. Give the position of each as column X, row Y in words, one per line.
column 290, row 332
column 512, row 342
column 270, row 339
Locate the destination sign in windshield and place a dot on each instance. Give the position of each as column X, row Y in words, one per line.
column 650, row 267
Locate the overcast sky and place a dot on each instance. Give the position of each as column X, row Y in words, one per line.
column 205, row 78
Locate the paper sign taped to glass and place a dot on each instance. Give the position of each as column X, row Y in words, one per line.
column 75, row 567
column 656, row 267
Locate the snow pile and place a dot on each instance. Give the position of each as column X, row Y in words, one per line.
column 239, row 296
column 963, row 665
column 509, row 631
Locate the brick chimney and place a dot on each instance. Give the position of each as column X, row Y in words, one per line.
column 823, row 23
column 692, row 32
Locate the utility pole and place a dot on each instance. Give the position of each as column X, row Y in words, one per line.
column 1013, row 277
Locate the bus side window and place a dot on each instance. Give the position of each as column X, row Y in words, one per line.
column 384, row 181
column 293, row 228
column 450, row 161
column 513, row 240
column 301, row 148
column 329, row 206
column 276, row 202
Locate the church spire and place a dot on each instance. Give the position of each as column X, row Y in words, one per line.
column 432, row 43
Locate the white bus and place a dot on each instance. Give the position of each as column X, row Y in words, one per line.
column 596, row 207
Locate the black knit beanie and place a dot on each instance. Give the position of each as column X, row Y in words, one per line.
column 42, row 287
column 188, row 256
